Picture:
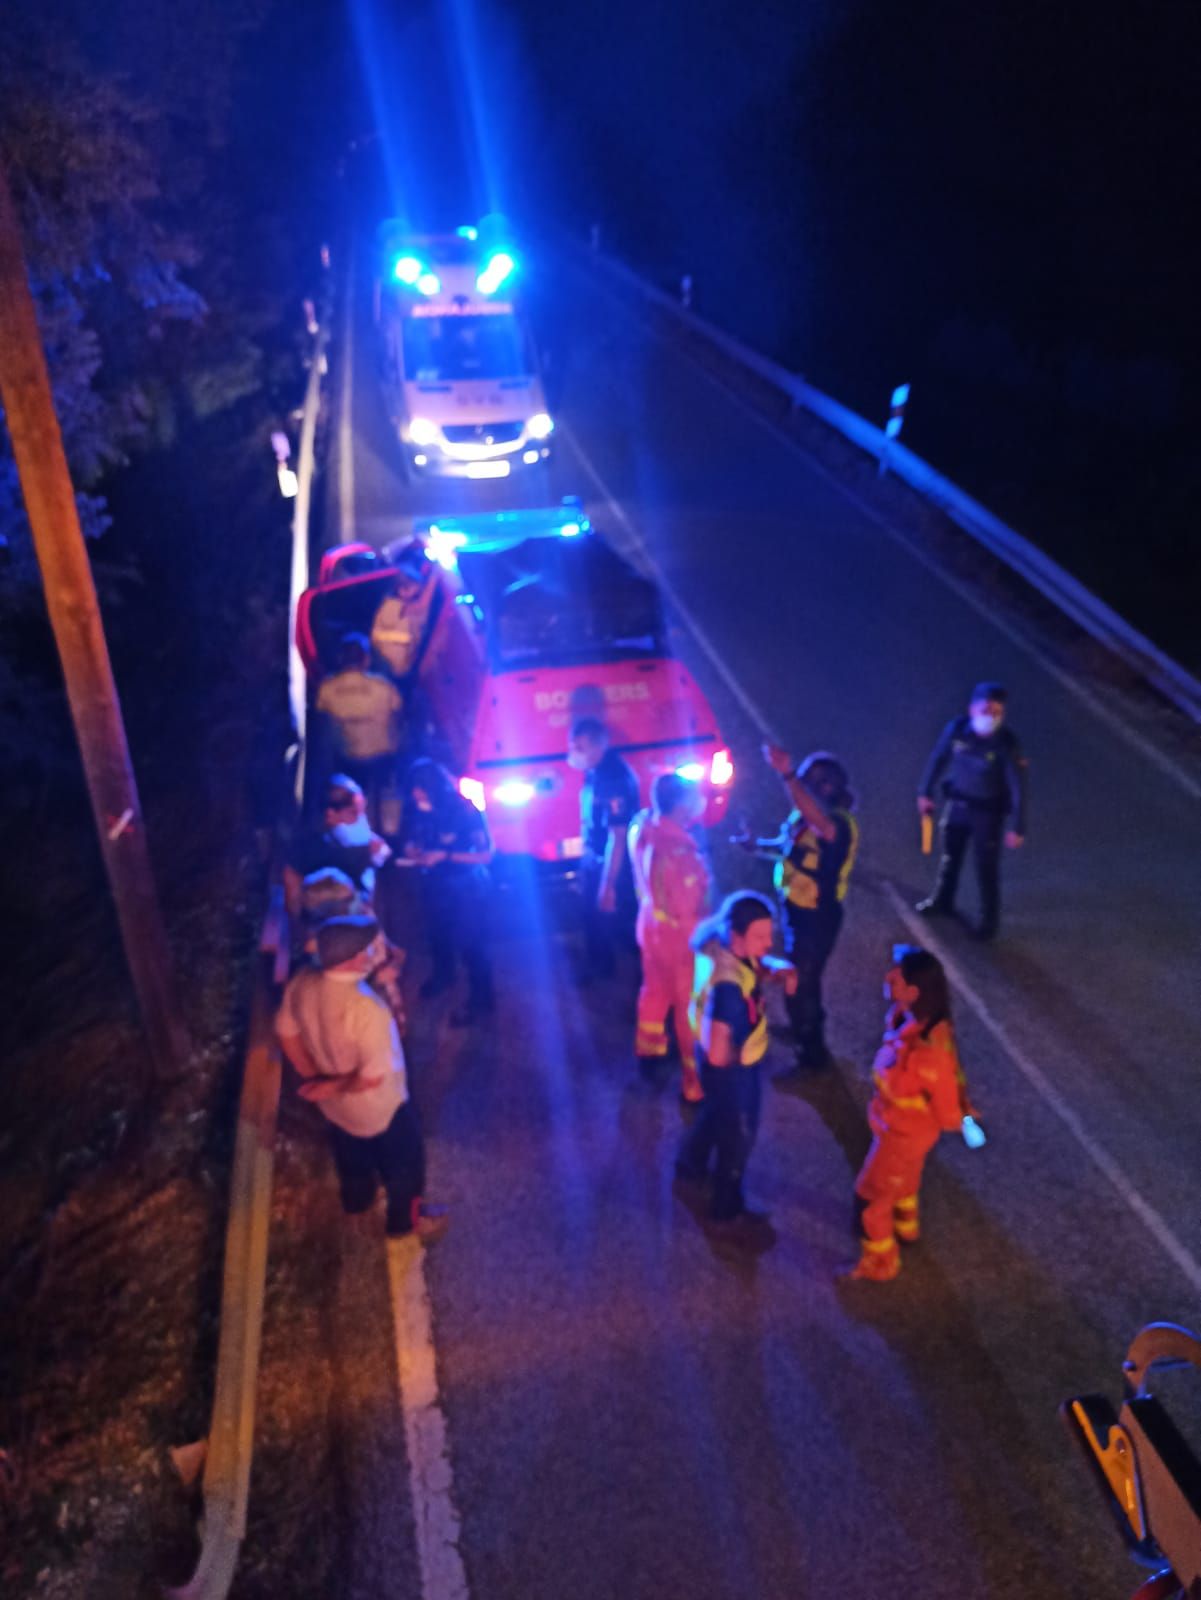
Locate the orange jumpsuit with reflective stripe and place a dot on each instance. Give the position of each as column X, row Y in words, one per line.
column 671, row 877
column 918, row 1082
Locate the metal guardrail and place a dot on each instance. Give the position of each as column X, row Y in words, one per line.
column 230, row 1445
column 231, row 1431
column 1104, row 624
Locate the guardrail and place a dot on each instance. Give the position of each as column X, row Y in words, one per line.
column 231, row 1431
column 1104, row 624
column 229, row 1449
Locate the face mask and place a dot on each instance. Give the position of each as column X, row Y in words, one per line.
column 356, row 832
column 983, row 724
column 576, row 761
column 424, row 805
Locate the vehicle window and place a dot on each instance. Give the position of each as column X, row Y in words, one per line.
column 544, row 616
column 450, row 349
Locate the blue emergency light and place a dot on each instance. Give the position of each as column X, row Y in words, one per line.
column 499, row 268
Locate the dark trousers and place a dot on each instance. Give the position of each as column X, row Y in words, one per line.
column 983, row 827
column 395, row 1158
column 606, row 932
column 726, row 1125
column 457, row 924
column 809, row 938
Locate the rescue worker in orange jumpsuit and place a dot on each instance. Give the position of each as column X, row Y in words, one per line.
column 920, row 1093
column 672, row 881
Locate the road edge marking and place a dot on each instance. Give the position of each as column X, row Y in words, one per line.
column 710, row 649
column 1113, row 720
column 427, row 1441
column 1050, row 1095
column 920, row 931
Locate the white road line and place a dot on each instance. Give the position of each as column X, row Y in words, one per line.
column 346, row 525
column 920, row 932
column 1112, row 720
column 431, row 1480
column 1051, row 1097
column 664, row 583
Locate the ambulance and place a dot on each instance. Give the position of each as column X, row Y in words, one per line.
column 534, row 622
column 460, row 370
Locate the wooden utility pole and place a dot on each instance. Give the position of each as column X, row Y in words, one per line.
column 79, row 632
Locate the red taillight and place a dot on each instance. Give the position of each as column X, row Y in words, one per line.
column 472, row 789
column 721, row 769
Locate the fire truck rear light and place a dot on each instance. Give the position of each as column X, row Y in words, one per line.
column 514, row 793
column 721, row 769
column 472, row 789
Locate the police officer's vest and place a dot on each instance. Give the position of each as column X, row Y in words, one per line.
column 717, row 964
column 798, row 875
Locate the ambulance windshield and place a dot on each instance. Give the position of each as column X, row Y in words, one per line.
column 457, row 349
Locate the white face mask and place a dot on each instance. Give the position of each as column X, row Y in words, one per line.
column 984, row 724
column 577, row 761
column 423, row 805
column 356, row 832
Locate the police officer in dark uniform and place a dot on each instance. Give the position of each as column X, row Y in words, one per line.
column 979, row 768
column 609, row 801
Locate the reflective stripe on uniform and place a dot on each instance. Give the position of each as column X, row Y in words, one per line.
column 903, row 1102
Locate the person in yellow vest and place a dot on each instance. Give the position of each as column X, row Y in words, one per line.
column 362, row 711
column 732, row 968
column 400, row 622
column 814, row 853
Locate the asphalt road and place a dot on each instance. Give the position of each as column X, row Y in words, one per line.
column 631, row 1414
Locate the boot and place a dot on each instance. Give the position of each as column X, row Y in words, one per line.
column 879, row 1262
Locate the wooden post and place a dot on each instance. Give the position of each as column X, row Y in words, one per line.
column 79, row 633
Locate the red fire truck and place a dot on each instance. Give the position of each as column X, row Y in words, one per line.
column 530, row 620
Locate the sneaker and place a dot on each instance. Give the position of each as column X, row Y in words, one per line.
column 431, row 1224
column 873, row 1267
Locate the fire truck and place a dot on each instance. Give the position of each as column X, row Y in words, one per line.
column 531, row 621
column 460, row 368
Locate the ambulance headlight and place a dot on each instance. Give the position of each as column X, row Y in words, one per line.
column 472, row 789
column 422, row 430
column 429, row 283
column 540, row 426
column 407, row 270
column 514, row 793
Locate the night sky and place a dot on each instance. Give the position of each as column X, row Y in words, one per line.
column 992, row 203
